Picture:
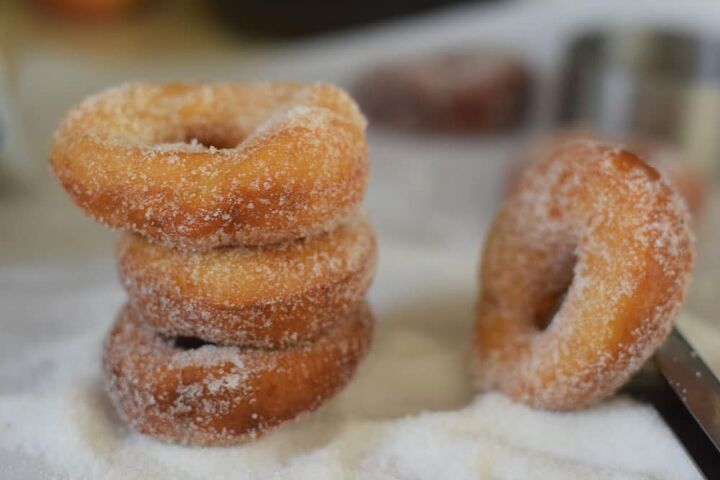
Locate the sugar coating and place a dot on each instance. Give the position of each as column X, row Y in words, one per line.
column 597, row 224
column 269, row 296
column 206, row 165
column 215, row 395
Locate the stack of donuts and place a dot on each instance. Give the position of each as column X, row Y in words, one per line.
column 246, row 256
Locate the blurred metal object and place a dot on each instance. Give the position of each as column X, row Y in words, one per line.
column 653, row 83
column 13, row 171
column 678, row 384
column 4, row 129
column 693, row 383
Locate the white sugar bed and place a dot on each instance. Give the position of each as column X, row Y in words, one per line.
column 409, row 413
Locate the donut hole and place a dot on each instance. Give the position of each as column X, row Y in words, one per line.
column 218, row 138
column 189, row 343
column 548, row 306
column 200, row 134
column 551, row 300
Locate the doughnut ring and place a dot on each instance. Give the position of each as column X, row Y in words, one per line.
column 267, row 296
column 206, row 165
column 596, row 225
column 184, row 391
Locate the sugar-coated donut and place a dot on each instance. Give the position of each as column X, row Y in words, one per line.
column 268, row 296
column 184, row 392
column 596, row 224
column 459, row 91
column 207, row 165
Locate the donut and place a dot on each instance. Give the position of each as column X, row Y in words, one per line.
column 268, row 296
column 198, row 166
column 583, row 272
column 682, row 175
column 183, row 390
column 452, row 91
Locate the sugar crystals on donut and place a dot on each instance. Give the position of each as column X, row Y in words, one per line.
column 598, row 235
column 212, row 395
column 268, row 296
column 206, row 165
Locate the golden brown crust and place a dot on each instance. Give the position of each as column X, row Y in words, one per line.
column 283, row 161
column 215, row 395
column 270, row 296
column 595, row 222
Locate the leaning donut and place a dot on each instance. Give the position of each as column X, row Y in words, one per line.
column 185, row 392
column 597, row 225
column 207, row 165
column 270, row 296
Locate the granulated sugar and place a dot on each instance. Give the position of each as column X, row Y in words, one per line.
column 409, row 414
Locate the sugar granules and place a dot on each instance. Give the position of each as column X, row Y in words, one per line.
column 409, row 414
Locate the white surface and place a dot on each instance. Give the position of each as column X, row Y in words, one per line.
column 408, row 414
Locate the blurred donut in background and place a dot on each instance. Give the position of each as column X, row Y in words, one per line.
column 87, row 9
column 451, row 92
column 681, row 174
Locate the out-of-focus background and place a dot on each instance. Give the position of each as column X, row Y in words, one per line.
column 640, row 72
column 645, row 73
